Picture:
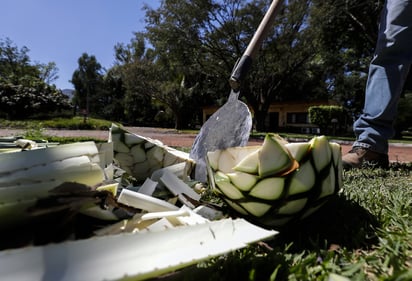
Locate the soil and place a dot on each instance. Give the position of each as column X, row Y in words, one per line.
column 397, row 152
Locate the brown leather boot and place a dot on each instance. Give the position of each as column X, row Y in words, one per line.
column 360, row 156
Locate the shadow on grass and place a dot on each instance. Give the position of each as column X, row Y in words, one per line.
column 339, row 223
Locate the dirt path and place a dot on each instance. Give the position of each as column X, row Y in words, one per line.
column 397, row 152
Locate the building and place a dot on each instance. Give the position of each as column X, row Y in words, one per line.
column 289, row 115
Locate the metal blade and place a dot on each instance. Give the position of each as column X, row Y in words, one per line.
column 229, row 126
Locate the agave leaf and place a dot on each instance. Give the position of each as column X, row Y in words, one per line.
column 213, row 159
column 269, row 188
column 111, row 188
column 257, row 209
column 321, row 152
column 226, row 161
column 14, row 213
column 179, row 188
column 148, row 187
column 236, row 207
column 328, row 184
column 241, row 152
column 146, row 155
column 140, row 255
column 274, row 158
column 249, row 164
column 243, row 181
column 337, row 159
column 298, row 149
column 293, row 207
column 336, row 152
column 118, row 144
column 20, row 161
column 226, row 187
column 139, row 155
column 303, row 179
column 132, row 139
column 78, row 169
column 178, row 169
column 144, row 202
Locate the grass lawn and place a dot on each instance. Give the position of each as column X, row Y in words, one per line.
column 75, row 123
column 364, row 233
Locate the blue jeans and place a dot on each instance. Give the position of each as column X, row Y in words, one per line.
column 387, row 73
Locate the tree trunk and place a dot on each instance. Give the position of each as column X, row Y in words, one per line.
column 260, row 117
column 178, row 120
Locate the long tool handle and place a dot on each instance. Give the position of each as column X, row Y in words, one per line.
column 243, row 64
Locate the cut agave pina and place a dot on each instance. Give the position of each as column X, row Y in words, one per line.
column 277, row 182
column 140, row 156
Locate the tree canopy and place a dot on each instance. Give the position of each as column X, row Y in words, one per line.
column 181, row 62
column 24, row 87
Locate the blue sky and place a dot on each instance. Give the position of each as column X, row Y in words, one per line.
column 62, row 30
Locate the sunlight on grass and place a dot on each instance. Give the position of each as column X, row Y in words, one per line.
column 364, row 233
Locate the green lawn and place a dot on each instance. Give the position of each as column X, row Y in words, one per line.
column 76, row 123
column 364, row 233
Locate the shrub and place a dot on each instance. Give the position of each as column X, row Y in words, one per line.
column 326, row 116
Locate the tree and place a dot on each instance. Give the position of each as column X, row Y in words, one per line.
column 48, row 72
column 403, row 119
column 113, row 94
column 135, row 67
column 23, row 91
column 15, row 64
column 175, row 30
column 88, row 84
column 326, row 117
column 202, row 40
column 317, row 50
column 287, row 67
column 177, row 96
column 347, row 32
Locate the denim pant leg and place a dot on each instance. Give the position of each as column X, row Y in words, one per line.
column 387, row 73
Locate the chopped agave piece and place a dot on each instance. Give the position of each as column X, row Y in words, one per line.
column 298, row 150
column 321, row 152
column 257, row 209
column 172, row 248
column 292, row 207
column 148, row 187
column 213, row 159
column 224, row 185
column 249, row 164
column 226, row 161
column 274, row 158
column 132, row 139
column 328, row 184
column 144, row 202
column 138, row 153
column 269, row 188
column 303, row 179
column 177, row 186
column 112, row 188
column 243, row 181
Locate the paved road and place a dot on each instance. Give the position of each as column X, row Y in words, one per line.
column 397, row 152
